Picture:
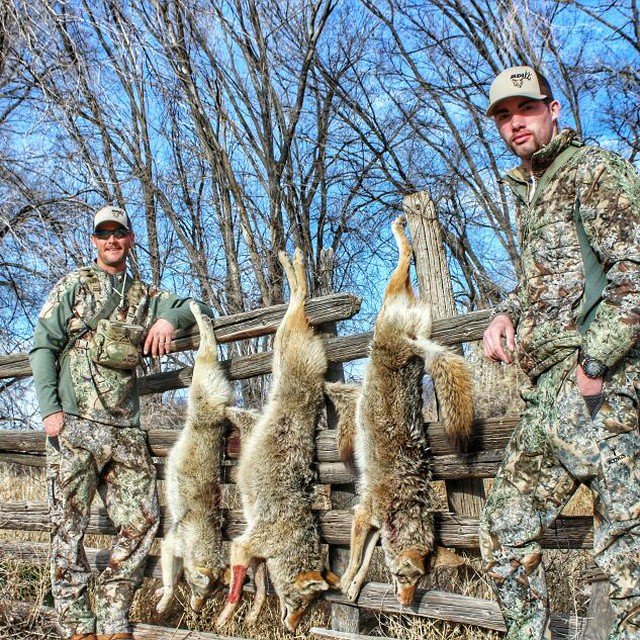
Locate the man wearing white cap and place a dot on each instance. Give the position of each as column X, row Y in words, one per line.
column 576, row 311
column 96, row 323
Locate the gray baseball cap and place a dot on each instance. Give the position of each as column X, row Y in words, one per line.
column 518, row 81
column 111, row 214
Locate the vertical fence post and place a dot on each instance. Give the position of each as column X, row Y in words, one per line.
column 466, row 496
column 343, row 617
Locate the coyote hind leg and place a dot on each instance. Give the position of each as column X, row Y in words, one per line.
column 399, row 283
column 208, row 343
column 364, row 537
column 259, row 567
column 296, row 276
column 171, row 570
column 240, row 558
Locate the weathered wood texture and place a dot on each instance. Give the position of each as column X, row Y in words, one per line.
column 240, row 326
column 600, row 617
column 320, row 632
column 489, row 435
column 482, row 460
column 482, row 465
column 434, row 279
column 571, row 532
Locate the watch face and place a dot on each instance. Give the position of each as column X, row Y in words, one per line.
column 593, row 368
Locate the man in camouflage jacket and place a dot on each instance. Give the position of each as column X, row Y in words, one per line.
column 577, row 313
column 94, row 440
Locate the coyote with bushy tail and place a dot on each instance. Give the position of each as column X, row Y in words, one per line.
column 193, row 544
column 275, row 475
column 390, row 444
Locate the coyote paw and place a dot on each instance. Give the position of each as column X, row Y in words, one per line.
column 225, row 615
column 251, row 618
column 350, row 586
column 165, row 596
column 354, row 590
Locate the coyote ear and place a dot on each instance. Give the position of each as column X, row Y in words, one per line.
column 332, row 579
column 412, row 559
column 443, row 557
column 311, row 581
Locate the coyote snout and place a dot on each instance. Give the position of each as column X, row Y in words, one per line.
column 406, row 572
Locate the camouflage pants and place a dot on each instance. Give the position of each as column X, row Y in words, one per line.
column 88, row 456
column 557, row 446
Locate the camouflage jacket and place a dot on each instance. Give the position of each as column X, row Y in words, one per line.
column 584, row 221
column 68, row 379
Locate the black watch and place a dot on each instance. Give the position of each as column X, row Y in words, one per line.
column 592, row 367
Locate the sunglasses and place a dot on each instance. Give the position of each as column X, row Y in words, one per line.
column 105, row 234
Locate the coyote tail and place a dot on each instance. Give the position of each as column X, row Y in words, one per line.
column 452, row 381
column 449, row 371
column 344, row 398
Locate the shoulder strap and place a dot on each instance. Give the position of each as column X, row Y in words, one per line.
column 104, row 312
column 551, row 171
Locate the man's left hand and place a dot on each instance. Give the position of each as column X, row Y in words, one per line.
column 158, row 341
column 588, row 386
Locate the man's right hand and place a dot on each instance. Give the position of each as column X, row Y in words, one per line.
column 500, row 327
column 53, row 424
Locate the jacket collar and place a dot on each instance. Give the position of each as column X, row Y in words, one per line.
column 543, row 158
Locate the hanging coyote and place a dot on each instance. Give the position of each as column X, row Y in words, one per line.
column 390, row 444
column 275, row 475
column 193, row 544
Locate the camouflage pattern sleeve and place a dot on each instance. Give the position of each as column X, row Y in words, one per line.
column 168, row 306
column 609, row 195
column 509, row 306
column 49, row 340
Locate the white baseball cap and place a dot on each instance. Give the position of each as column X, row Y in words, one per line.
column 111, row 214
column 518, row 81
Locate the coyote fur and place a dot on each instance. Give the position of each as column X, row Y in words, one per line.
column 275, row 472
column 193, row 544
column 391, row 450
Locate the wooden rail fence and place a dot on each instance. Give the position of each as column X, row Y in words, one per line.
column 452, row 530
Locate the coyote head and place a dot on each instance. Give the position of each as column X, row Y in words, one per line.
column 296, row 597
column 406, row 570
column 203, row 582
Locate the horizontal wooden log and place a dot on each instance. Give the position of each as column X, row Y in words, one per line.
column 376, row 596
column 488, row 436
column 155, row 632
column 451, row 607
column 240, row 326
column 570, row 532
column 339, row 349
column 484, row 465
column 320, row 632
column 449, row 331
